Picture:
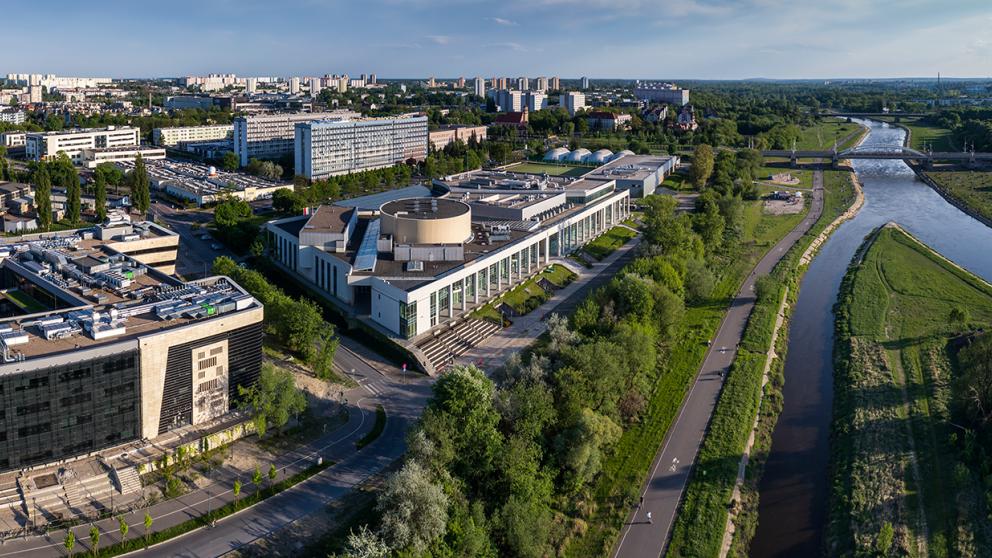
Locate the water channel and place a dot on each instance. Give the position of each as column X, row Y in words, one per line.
column 795, row 486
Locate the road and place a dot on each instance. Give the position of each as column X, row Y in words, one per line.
column 673, row 463
column 196, row 255
column 402, row 395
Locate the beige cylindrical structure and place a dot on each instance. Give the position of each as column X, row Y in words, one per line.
column 427, row 221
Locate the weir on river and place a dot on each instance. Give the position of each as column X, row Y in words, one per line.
column 794, row 490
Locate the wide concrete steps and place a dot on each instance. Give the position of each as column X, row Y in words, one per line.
column 130, row 480
column 442, row 349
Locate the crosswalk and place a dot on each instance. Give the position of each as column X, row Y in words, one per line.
column 372, row 387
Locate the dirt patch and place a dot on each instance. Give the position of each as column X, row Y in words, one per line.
column 782, row 207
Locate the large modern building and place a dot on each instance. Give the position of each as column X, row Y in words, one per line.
column 203, row 185
column 640, row 174
column 270, row 136
column 91, row 158
column 46, row 145
column 411, row 265
column 13, row 116
column 661, row 93
column 340, row 146
column 443, row 136
column 100, row 350
column 191, row 134
column 573, row 102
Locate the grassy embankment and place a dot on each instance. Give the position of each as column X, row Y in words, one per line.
column 528, row 295
column 899, row 487
column 608, row 242
column 971, row 189
column 923, row 134
column 825, row 133
column 699, row 527
column 624, row 471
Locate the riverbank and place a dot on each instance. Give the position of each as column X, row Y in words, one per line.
column 983, row 214
column 899, row 483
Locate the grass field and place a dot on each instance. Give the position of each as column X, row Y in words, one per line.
column 608, row 242
column 823, row 134
column 893, row 460
column 973, row 189
column 550, row 169
column 937, row 139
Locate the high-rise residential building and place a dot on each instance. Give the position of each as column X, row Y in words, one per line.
column 314, row 87
column 536, row 101
column 251, row 84
column 34, row 93
column 332, row 147
column 270, row 136
column 461, row 83
column 508, row 100
column 480, row 87
column 555, row 84
column 41, row 146
column 585, row 83
column 191, row 134
column 523, row 83
column 294, row 85
column 494, row 83
column 372, row 79
column 542, row 84
column 342, row 84
column 573, row 102
column 431, row 83
column 503, row 83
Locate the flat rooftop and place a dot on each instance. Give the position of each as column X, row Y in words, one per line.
column 328, row 219
column 630, row 167
column 506, row 181
column 425, row 208
column 202, row 179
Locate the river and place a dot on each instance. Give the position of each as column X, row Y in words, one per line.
column 794, row 490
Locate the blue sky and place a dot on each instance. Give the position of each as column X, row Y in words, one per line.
column 673, row 39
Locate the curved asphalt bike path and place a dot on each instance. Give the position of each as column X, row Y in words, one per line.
column 662, row 493
column 402, row 395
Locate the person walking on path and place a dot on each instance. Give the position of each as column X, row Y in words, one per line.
column 650, row 521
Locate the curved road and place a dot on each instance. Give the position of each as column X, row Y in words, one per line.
column 672, row 465
column 402, row 395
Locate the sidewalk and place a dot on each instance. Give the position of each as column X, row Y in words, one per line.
column 494, row 350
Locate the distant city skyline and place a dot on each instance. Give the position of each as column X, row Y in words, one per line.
column 606, row 39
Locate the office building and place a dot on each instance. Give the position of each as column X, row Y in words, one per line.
column 573, row 102
column 656, row 92
column 585, row 83
column 184, row 102
column 270, row 136
column 443, row 136
column 110, row 350
column 191, row 134
column 641, row 175
column 480, row 87
column 92, row 157
column 413, row 265
column 13, row 139
column 294, row 86
column 13, row 116
column 332, row 147
column 46, row 145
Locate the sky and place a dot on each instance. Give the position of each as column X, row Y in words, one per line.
column 631, row 39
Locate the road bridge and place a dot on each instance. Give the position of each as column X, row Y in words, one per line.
column 874, row 152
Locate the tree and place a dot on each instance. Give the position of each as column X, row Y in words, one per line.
column 273, row 399
column 231, row 212
column 236, row 488
column 414, row 509
column 324, row 358
column 886, row 535
column 702, row 165
column 256, row 477
column 100, row 197
column 140, row 193
column 43, row 196
column 973, row 387
column 70, row 542
column 73, row 194
column 273, row 473
column 958, row 316
column 95, row 539
column 230, row 161
column 124, row 528
column 366, row 544
column 148, row 528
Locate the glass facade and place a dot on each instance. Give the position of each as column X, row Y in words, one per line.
column 408, row 319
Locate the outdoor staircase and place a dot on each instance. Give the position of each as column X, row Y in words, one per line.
column 128, row 480
column 451, row 342
column 10, row 495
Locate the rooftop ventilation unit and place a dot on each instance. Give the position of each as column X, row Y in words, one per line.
column 414, row 266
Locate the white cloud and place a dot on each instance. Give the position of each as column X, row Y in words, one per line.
column 439, row 39
column 502, row 21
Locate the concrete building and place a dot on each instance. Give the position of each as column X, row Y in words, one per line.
column 480, row 87
column 92, row 157
column 270, row 136
column 204, row 185
column 573, row 102
column 251, row 84
column 35, row 94
column 13, row 140
column 210, row 82
column 585, row 83
column 443, row 136
column 294, row 86
column 509, row 100
column 555, row 84
column 523, row 84
column 542, row 85
column 410, row 266
column 13, row 116
column 608, row 120
column 45, row 145
column 184, row 102
column 191, row 134
column 656, row 92
column 315, row 87
column 331, row 147
column 536, row 101
column 101, row 350
column 639, row 174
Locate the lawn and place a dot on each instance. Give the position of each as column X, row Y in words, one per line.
column 608, row 242
column 527, row 296
column 824, row 134
column 894, row 458
column 923, row 134
column 973, row 189
column 550, row 169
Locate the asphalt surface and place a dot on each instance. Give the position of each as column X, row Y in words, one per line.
column 196, row 256
column 402, row 395
column 662, row 493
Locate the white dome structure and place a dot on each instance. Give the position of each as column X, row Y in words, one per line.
column 619, row 154
column 599, row 156
column 578, row 155
column 556, row 154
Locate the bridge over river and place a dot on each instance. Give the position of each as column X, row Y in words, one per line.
column 876, row 152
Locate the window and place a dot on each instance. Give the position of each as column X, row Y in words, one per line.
column 408, row 319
